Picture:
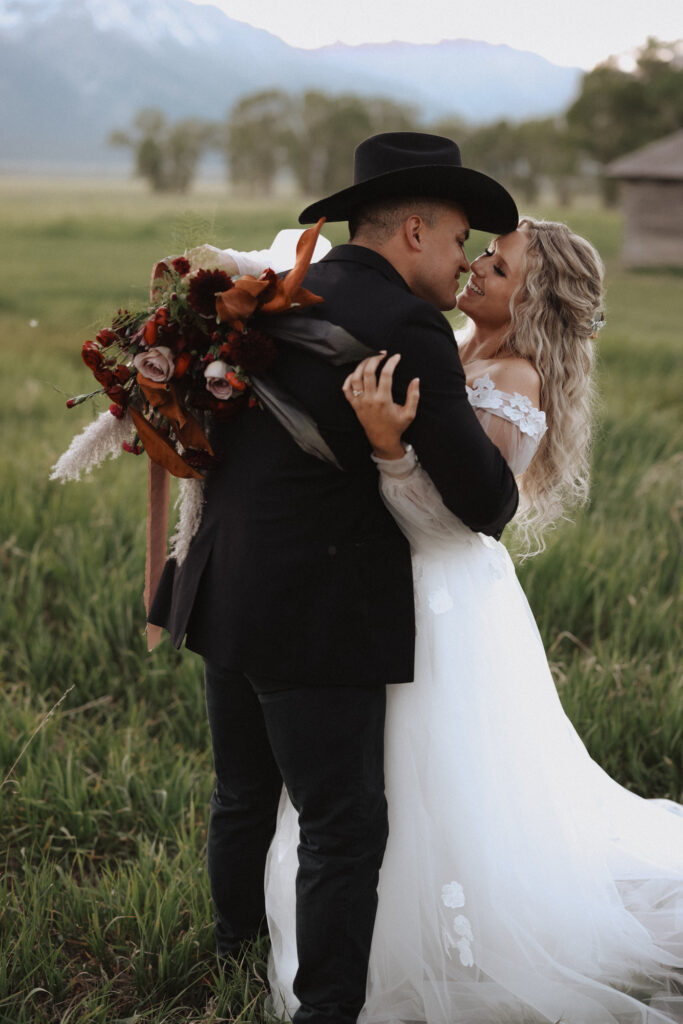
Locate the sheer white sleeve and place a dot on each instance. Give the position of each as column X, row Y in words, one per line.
column 516, row 447
column 512, row 421
column 414, row 502
column 514, row 425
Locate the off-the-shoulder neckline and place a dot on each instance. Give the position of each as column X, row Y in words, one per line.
column 490, row 386
column 512, row 406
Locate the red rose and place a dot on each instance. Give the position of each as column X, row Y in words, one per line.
column 91, row 354
column 118, row 395
column 181, row 265
column 106, row 378
column 107, row 337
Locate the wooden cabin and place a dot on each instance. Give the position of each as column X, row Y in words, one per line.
column 651, row 181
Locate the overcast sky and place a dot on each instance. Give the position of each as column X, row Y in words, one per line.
column 570, row 32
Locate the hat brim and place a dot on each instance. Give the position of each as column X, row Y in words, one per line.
column 488, row 206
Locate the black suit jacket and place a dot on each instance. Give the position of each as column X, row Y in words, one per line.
column 298, row 574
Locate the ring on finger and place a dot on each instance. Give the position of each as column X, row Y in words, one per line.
column 355, row 393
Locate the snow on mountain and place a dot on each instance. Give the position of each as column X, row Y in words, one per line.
column 156, row 22
column 146, row 23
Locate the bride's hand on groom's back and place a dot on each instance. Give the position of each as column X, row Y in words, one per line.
column 370, row 396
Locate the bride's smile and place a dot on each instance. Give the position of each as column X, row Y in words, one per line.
column 494, row 281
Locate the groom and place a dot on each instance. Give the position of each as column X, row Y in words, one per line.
column 297, row 589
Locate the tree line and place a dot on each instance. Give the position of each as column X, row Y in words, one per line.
column 309, row 137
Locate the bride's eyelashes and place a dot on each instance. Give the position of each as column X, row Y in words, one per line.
column 498, row 270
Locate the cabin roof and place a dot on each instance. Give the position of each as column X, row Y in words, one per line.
column 660, row 160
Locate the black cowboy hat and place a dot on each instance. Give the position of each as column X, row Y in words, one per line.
column 414, row 164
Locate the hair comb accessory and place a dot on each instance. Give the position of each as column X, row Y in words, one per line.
column 597, row 325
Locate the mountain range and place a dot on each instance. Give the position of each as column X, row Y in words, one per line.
column 71, row 71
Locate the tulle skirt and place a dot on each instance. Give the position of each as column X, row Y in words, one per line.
column 520, row 882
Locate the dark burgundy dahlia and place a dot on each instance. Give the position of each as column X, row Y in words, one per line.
column 203, row 289
column 253, row 350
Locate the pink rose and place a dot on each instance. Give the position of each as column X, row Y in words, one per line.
column 216, row 379
column 156, row 363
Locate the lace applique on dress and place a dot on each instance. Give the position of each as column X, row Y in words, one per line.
column 459, row 935
column 518, row 409
column 453, row 895
column 440, row 601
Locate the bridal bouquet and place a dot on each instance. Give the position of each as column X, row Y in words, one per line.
column 200, row 351
column 191, row 355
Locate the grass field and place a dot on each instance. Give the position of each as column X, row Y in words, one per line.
column 104, row 908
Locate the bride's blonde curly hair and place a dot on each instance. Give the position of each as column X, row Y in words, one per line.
column 553, row 316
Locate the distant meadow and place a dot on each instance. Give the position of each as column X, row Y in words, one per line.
column 104, row 751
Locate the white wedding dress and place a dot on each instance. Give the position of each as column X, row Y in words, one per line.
column 520, row 883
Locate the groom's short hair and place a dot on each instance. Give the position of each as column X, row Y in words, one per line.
column 379, row 220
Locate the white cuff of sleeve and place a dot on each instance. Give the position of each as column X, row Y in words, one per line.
column 398, row 468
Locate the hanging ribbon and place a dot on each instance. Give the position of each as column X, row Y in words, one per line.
column 157, row 529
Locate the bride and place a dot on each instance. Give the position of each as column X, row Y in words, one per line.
column 520, row 883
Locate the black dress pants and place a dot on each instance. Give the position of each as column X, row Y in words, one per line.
column 326, row 743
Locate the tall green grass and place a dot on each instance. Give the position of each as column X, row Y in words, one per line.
column 104, row 908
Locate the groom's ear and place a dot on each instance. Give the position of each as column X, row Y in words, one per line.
column 412, row 232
